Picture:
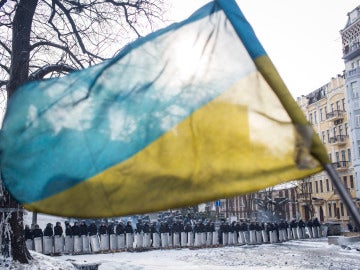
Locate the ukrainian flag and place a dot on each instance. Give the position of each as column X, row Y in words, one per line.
column 188, row 114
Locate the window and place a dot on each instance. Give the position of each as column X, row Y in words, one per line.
column 323, row 136
column 321, row 115
column 340, row 130
column 338, row 105
column 342, row 213
column 335, row 212
column 351, row 178
column 337, row 156
column 358, row 143
column 327, row 185
column 334, row 132
column 321, row 186
column 343, row 155
column 328, row 135
column 329, row 209
column 345, row 181
column 349, row 154
column 310, row 118
column 343, row 104
column 357, row 120
column 315, row 117
column 346, row 128
column 332, row 107
column 330, row 157
column 354, row 90
column 316, row 187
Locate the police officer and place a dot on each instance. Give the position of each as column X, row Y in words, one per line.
column 58, row 230
column 28, row 233
column 83, row 228
column 76, row 231
column 68, row 229
column 93, row 230
column 37, row 232
column 48, row 231
column 129, row 235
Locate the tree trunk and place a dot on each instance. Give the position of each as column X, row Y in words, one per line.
column 19, row 70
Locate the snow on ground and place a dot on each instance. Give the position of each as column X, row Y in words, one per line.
column 305, row 254
column 291, row 255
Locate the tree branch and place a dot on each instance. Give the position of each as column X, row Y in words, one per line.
column 64, row 48
column 43, row 71
column 75, row 31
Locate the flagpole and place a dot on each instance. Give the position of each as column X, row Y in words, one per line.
column 345, row 196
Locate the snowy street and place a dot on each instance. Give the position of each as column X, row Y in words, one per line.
column 304, row 254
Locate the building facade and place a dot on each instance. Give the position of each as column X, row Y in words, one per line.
column 350, row 36
column 268, row 205
column 326, row 109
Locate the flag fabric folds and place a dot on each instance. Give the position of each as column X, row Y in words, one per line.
column 191, row 113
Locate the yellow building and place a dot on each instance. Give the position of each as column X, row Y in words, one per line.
column 325, row 108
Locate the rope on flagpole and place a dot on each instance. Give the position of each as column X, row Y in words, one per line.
column 345, row 196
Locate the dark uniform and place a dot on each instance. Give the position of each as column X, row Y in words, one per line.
column 48, row 230
column 58, row 230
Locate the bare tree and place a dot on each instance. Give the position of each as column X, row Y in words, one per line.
column 304, row 195
column 47, row 38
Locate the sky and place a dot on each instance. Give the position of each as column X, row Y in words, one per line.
column 302, row 38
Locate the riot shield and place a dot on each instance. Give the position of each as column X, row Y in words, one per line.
column 138, row 240
column 38, row 245
column 299, row 233
column 252, row 237
column 289, row 233
column 176, row 239
column 156, row 240
column 258, row 237
column 230, row 238
column 47, row 245
column 190, row 239
column 183, row 239
column 147, row 240
column 129, row 241
column 215, row 238
column 120, row 241
column 85, row 244
column 77, row 244
column 104, row 242
column 225, row 239
column 208, row 239
column 170, row 240
column 113, row 242
column 69, row 244
column 58, row 244
column 164, row 240
column 94, row 243
column 247, row 237
column 30, row 244
column 197, row 241
column 265, row 236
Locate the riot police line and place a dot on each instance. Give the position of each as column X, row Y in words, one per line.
column 115, row 237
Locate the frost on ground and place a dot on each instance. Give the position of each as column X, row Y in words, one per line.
column 304, row 254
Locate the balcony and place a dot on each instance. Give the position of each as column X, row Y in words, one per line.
column 339, row 139
column 335, row 115
column 355, row 72
column 337, row 192
column 351, row 51
column 341, row 165
column 304, row 196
